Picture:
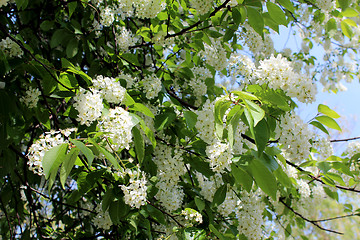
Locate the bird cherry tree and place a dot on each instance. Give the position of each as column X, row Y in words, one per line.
column 171, row 119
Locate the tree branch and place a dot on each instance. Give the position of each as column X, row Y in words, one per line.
column 314, row 222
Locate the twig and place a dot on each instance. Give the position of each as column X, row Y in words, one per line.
column 314, row 222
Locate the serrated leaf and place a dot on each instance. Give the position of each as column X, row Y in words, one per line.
column 329, row 122
column 245, row 95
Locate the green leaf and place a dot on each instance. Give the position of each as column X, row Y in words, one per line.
column 67, row 165
column 276, row 13
column 163, row 120
column 190, row 118
column 329, row 122
column 344, row 4
column 242, row 177
column 72, row 48
column 350, row 12
column 85, row 150
column 58, row 37
column 140, row 108
column 220, row 195
column 156, row 214
column 264, row 178
column 72, row 7
column 262, row 135
column 320, row 126
column 327, row 111
column 108, row 155
column 236, row 15
column 200, row 204
column 131, row 58
column 139, row 144
column 256, row 21
column 256, row 112
column 245, row 95
column 53, row 158
column 233, row 124
column 107, row 199
column 346, row 29
column 46, row 25
column 287, row 4
column 283, row 177
column 118, row 210
column 216, row 232
column 331, row 25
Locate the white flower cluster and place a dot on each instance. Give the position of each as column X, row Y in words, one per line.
column 238, row 147
column 152, row 86
column 148, row 8
column 326, row 5
column 102, row 219
column 31, row 97
column 170, row 168
column 125, row 39
column 294, row 136
column 135, row 192
column 89, row 105
column 241, row 66
column 202, row 7
column 303, row 188
column 219, row 155
column 10, row 48
column 205, row 122
column 259, row 48
column 45, row 142
column 230, row 203
column 249, row 215
column 352, row 149
column 209, row 185
column 198, row 83
column 323, row 147
column 216, row 55
column 130, row 80
column 277, row 73
column 117, row 125
column 107, row 16
column 192, row 216
column 109, row 88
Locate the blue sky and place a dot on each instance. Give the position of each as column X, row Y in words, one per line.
column 347, row 103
